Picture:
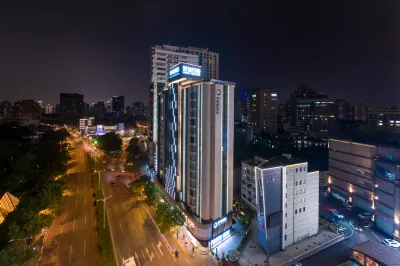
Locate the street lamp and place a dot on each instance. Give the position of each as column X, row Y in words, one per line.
column 98, row 188
column 12, row 240
column 104, row 204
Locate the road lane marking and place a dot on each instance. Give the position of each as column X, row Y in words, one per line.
column 118, row 190
column 143, row 256
column 73, row 225
column 121, row 228
column 132, row 226
column 85, row 218
column 137, row 258
column 155, row 250
column 148, row 254
column 84, row 247
column 70, row 253
column 77, row 190
column 159, row 247
column 115, row 207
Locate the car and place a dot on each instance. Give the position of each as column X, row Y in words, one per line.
column 112, row 170
column 112, row 184
column 122, row 171
column 337, row 214
column 104, row 161
column 364, row 215
column 391, row 243
column 118, row 176
column 366, row 224
column 342, row 229
column 355, row 226
column 128, row 185
column 326, row 216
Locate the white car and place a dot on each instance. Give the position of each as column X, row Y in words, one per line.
column 337, row 214
column 391, row 243
column 364, row 215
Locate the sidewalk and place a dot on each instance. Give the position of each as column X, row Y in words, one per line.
column 186, row 251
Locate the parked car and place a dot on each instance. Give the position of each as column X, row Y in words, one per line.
column 366, row 224
column 391, row 243
column 355, row 226
column 112, row 184
column 118, row 176
column 337, row 214
column 330, row 218
column 128, row 185
column 342, row 229
column 364, row 215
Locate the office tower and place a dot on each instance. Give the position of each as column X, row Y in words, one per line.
column 263, row 105
column 316, row 116
column 302, row 93
column 26, row 110
column 138, row 108
column 128, row 110
column 72, row 106
column 342, row 109
column 196, row 125
column 40, row 103
column 118, row 104
column 287, row 202
column 383, row 117
column 360, row 112
column 48, row 109
column 208, row 60
column 99, row 110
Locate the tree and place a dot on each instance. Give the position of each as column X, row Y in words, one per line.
column 110, row 142
column 168, row 217
column 16, row 256
column 153, row 194
column 138, row 186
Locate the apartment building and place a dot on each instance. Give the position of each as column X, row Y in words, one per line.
column 248, row 182
column 287, row 202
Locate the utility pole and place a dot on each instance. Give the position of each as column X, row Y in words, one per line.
column 104, row 203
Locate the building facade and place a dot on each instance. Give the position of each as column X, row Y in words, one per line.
column 196, row 147
column 118, row 104
column 137, row 108
column 263, row 108
column 384, row 117
column 72, row 107
column 287, row 202
column 360, row 112
column 368, row 176
column 248, row 180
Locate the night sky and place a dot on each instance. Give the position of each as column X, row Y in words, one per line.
column 349, row 49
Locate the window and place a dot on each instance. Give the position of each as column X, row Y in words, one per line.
column 285, row 214
column 301, row 182
column 286, row 205
column 285, row 237
column 286, row 195
column 304, row 181
column 297, row 169
column 304, row 190
column 300, row 210
column 296, row 183
column 295, row 212
column 304, row 209
column 285, row 226
column 304, row 169
column 300, row 169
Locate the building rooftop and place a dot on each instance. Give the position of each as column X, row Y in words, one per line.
column 284, row 160
column 379, row 252
column 255, row 161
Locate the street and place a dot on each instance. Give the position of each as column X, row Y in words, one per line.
column 133, row 230
column 72, row 240
column 341, row 252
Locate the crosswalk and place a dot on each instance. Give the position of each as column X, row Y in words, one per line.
column 147, row 255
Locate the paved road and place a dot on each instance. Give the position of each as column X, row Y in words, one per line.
column 133, row 231
column 72, row 240
column 341, row 252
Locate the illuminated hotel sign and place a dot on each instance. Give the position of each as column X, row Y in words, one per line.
column 218, row 223
column 193, row 71
column 184, row 70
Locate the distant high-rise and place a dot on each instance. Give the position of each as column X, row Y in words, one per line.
column 342, row 109
column 48, row 109
column 263, row 109
column 138, row 108
column 72, row 107
column 360, row 112
column 108, row 105
column 26, row 110
column 99, row 110
column 118, row 104
column 128, row 110
column 5, row 109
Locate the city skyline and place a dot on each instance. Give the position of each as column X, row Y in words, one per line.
column 101, row 51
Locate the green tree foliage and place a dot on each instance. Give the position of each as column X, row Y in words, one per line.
column 15, row 257
column 167, row 217
column 153, row 194
column 139, row 185
column 110, row 142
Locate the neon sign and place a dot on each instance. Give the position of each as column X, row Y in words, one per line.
column 222, row 221
column 193, row 71
column 173, row 72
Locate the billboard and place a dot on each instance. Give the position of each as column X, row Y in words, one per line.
column 183, row 70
